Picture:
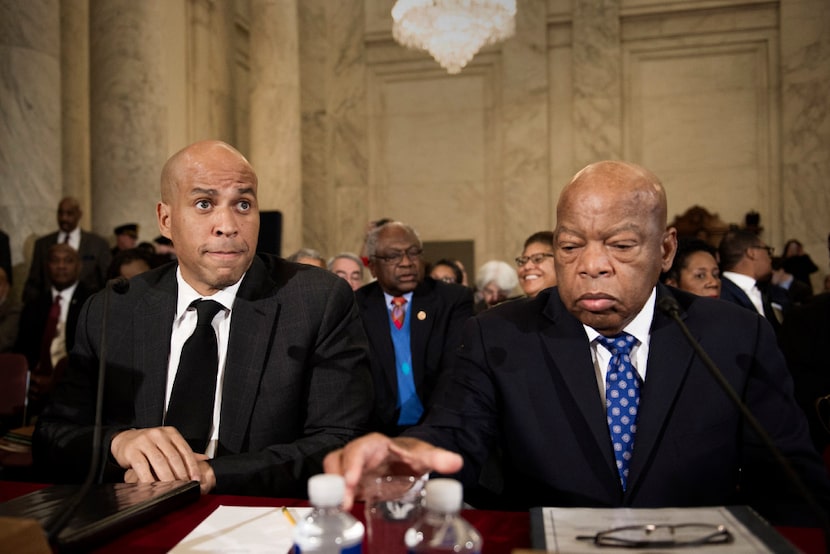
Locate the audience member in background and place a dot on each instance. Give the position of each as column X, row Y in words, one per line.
column 308, row 256
column 129, row 263
column 445, row 270
column 413, row 324
column 6, row 256
column 9, row 314
column 798, row 292
column 349, row 267
column 798, row 263
column 694, row 269
column 746, row 268
column 165, row 251
column 126, row 237
column 804, row 337
column 372, row 225
column 48, row 324
column 283, row 341
column 496, row 281
column 93, row 250
column 464, row 279
column 535, row 266
column 525, row 411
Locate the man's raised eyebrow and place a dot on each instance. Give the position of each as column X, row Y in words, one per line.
column 198, row 191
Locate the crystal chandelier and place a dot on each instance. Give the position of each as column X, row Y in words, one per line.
column 453, row 31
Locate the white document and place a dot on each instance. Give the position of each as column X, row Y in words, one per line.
column 563, row 525
column 232, row 529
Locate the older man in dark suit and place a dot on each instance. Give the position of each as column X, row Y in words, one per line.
column 588, row 396
column 413, row 324
column 93, row 249
column 235, row 369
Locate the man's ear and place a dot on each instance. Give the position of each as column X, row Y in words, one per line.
column 163, row 215
column 668, row 248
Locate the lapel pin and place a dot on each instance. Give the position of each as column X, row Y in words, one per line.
column 422, row 315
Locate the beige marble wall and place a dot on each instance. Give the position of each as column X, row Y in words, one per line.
column 30, row 133
column 805, row 127
column 275, row 105
column 701, row 109
column 75, row 103
column 128, row 113
column 725, row 99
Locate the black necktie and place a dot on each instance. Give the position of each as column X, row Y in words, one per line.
column 190, row 409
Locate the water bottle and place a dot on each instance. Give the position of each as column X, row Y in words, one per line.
column 327, row 529
column 441, row 529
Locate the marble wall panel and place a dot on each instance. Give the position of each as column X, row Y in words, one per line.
column 75, row 103
column 347, row 130
column 524, row 160
column 275, row 109
column 597, row 108
column 431, row 143
column 128, row 113
column 805, row 123
column 30, row 126
column 701, row 117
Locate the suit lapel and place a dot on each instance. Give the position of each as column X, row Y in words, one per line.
column 153, row 328
column 376, row 322
column 567, row 347
column 256, row 308
column 669, row 359
column 420, row 330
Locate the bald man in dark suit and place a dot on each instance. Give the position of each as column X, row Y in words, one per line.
column 290, row 380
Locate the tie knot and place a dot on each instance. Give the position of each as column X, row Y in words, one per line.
column 398, row 301
column 206, row 310
column 618, row 344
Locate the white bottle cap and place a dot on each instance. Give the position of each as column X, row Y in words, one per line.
column 326, row 490
column 444, row 495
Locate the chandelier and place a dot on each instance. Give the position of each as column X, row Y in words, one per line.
column 453, row 31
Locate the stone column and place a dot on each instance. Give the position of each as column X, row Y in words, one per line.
column 275, row 114
column 597, row 81
column 127, row 112
column 30, row 134
column 74, row 20
column 805, row 126
column 525, row 123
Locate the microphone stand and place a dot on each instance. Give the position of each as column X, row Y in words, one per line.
column 669, row 306
column 119, row 285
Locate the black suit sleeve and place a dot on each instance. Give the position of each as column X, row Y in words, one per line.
column 336, row 401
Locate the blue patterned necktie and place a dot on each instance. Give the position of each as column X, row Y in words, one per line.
column 622, row 399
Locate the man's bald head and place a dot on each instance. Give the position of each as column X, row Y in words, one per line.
column 190, row 160
column 637, row 185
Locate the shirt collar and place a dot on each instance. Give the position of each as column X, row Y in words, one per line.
column 188, row 294
column 639, row 327
column 389, row 297
column 66, row 294
column 744, row 282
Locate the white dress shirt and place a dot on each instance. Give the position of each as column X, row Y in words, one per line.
column 74, row 238
column 184, row 323
column 749, row 286
column 640, row 329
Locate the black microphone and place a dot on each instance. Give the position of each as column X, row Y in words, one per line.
column 119, row 285
column 669, row 306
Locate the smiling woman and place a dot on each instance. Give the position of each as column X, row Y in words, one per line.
column 535, row 265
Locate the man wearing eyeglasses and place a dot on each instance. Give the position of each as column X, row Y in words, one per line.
column 746, row 269
column 413, row 322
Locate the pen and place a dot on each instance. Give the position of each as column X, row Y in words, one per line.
column 287, row 513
